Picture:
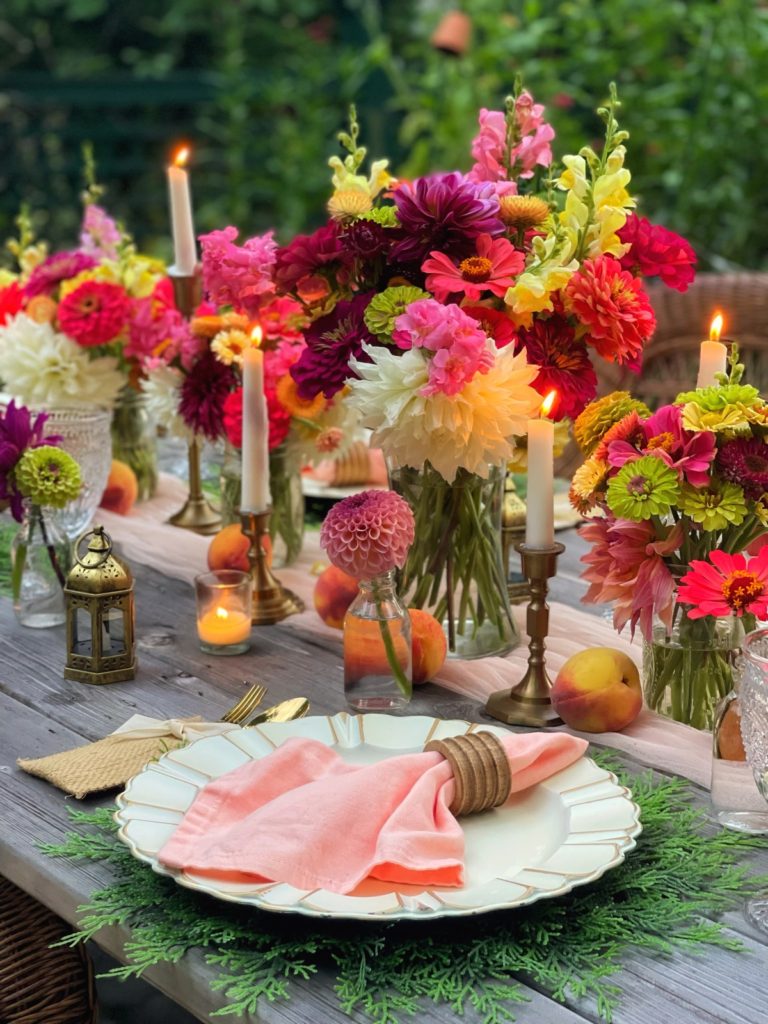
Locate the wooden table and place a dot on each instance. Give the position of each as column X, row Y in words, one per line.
column 40, row 713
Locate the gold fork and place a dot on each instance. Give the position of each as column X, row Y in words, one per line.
column 246, row 705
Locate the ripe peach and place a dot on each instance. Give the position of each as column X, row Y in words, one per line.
column 229, row 549
column 428, row 644
column 598, row 690
column 335, row 591
column 122, row 489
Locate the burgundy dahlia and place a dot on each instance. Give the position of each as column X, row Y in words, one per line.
column 745, row 462
column 563, row 362
column 203, row 395
column 365, row 239
column 332, row 341
column 307, row 254
column 445, row 212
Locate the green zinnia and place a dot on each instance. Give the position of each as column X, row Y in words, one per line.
column 643, row 488
column 48, row 476
column 385, row 308
column 715, row 398
column 386, row 216
column 600, row 415
column 715, row 507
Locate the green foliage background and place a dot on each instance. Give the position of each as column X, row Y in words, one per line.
column 261, row 86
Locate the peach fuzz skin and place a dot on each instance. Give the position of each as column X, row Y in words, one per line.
column 229, row 549
column 598, row 690
column 334, row 592
column 122, row 489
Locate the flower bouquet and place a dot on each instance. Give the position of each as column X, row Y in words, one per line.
column 36, row 475
column 446, row 306
column 75, row 327
column 676, row 497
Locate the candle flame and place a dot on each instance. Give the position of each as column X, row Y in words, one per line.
column 181, row 156
column 222, row 613
column 256, row 335
column 549, row 401
column 716, row 327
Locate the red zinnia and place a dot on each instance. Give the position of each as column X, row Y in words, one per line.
column 279, row 418
column 94, row 313
column 657, row 252
column 497, row 325
column 728, row 585
column 11, row 301
column 613, row 306
column 491, row 268
column 563, row 363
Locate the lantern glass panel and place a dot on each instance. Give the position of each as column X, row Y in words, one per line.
column 83, row 640
column 112, row 632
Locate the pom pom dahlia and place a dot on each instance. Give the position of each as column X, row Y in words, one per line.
column 368, row 534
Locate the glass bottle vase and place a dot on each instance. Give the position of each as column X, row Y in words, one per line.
column 377, row 648
column 687, row 672
column 40, row 557
column 286, row 524
column 134, row 439
column 454, row 568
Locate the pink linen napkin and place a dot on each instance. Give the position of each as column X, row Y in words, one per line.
column 303, row 816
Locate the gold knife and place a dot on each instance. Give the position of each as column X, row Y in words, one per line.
column 285, row 711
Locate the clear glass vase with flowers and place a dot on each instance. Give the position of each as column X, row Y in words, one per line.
column 677, row 497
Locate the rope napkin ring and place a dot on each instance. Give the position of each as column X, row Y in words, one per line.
column 480, row 769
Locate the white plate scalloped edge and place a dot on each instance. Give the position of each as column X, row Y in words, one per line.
column 602, row 823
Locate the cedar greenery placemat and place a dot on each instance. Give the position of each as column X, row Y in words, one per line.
column 571, row 946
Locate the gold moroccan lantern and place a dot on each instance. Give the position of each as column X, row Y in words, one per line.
column 98, row 597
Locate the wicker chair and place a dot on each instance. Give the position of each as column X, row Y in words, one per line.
column 671, row 359
column 40, row 985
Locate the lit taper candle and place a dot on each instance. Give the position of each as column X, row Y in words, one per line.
column 256, row 496
column 184, row 249
column 540, row 498
column 714, row 355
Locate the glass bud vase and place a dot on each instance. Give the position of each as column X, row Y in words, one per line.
column 687, row 672
column 286, row 524
column 377, row 648
column 134, row 439
column 454, row 568
column 40, row 556
column 735, row 801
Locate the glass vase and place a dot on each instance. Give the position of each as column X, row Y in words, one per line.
column 454, row 568
column 286, row 524
column 687, row 672
column 40, row 561
column 377, row 648
column 84, row 433
column 134, row 439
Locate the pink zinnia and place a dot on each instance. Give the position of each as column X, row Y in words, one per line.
column 94, row 313
column 46, row 277
column 691, row 453
column 655, row 251
column 238, row 275
column 613, row 306
column 368, row 534
column 159, row 332
column 727, row 584
column 493, row 269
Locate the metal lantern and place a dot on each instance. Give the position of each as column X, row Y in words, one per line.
column 99, row 603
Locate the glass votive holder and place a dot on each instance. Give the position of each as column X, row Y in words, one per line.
column 224, row 611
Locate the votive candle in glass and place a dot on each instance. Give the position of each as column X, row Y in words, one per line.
column 224, row 611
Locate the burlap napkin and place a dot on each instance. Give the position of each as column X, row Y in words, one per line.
column 111, row 762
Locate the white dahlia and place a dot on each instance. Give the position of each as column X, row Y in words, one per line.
column 162, row 391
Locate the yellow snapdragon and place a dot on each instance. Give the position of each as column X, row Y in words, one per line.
column 549, row 271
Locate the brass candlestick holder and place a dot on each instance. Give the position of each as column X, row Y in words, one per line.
column 272, row 602
column 197, row 513
column 528, row 703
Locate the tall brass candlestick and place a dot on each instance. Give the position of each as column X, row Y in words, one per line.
column 272, row 602
column 528, row 703
column 197, row 513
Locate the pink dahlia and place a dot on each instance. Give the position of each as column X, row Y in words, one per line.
column 368, row 534
column 655, row 251
column 745, row 461
column 45, row 278
column 94, row 313
column 563, row 362
column 492, row 268
column 691, row 453
column 614, row 308
column 727, row 584
column 238, row 275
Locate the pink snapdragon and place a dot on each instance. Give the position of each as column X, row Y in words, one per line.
column 238, row 275
column 489, row 147
column 99, row 234
column 458, row 344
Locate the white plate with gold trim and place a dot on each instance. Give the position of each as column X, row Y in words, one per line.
column 561, row 833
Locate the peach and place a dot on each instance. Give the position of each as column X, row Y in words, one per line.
column 364, row 652
column 122, row 489
column 428, row 645
column 335, row 591
column 229, row 549
column 598, row 690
